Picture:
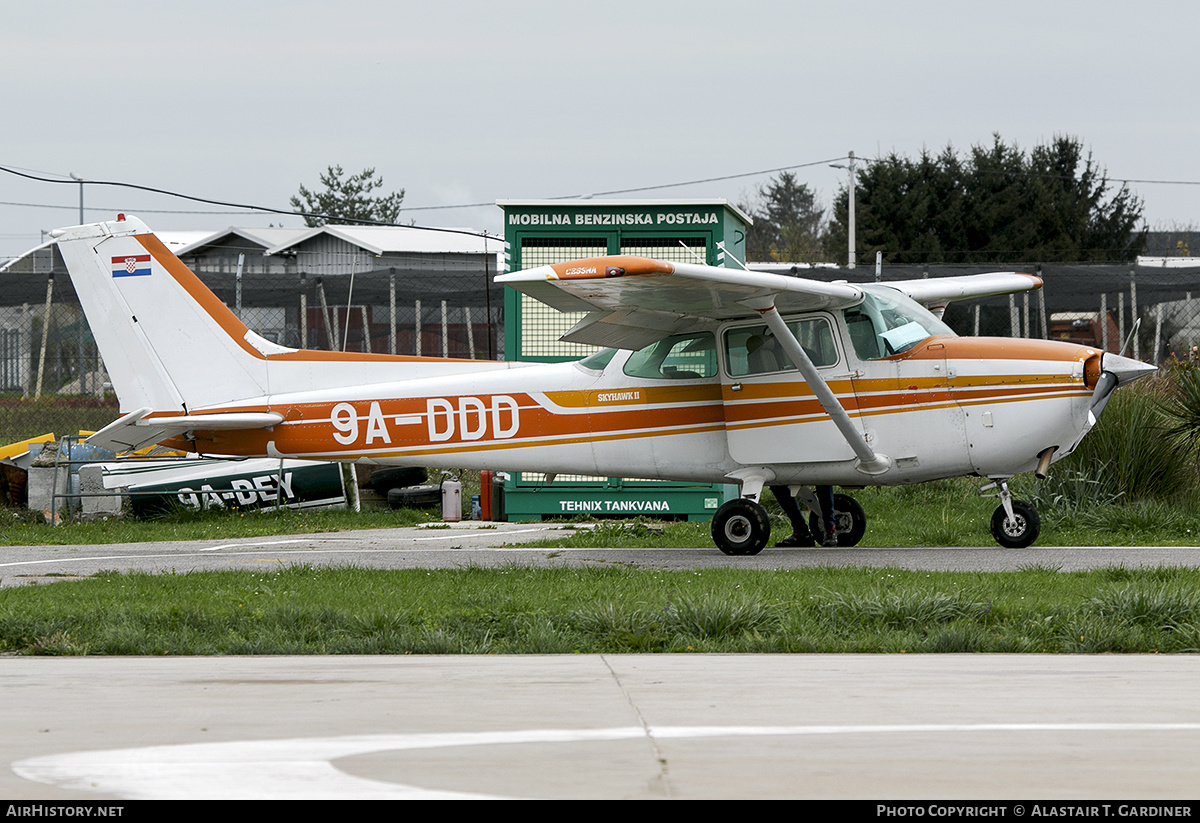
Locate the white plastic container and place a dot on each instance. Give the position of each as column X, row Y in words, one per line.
column 451, row 500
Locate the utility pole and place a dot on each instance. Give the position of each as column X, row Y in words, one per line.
column 852, row 257
column 83, row 369
column 74, row 176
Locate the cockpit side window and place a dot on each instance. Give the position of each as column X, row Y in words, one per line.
column 680, row 357
column 754, row 349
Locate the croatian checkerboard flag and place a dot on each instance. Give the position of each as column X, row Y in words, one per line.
column 131, row 265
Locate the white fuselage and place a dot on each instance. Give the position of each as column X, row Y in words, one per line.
column 947, row 407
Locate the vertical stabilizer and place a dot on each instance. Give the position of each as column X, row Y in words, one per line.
column 169, row 344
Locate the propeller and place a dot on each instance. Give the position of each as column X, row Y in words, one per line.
column 1116, row 370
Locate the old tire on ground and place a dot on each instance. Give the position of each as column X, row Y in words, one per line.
column 395, row 477
column 415, row 497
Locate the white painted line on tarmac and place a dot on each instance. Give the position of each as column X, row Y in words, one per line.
column 304, row 768
column 251, row 545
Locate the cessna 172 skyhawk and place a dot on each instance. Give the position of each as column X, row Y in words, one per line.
column 713, row 375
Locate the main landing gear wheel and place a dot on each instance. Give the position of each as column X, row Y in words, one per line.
column 1021, row 531
column 849, row 520
column 741, row 527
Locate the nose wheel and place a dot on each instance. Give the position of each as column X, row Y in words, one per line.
column 741, row 527
column 1018, row 531
column 1015, row 523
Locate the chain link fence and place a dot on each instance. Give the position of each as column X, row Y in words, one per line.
column 1096, row 305
column 52, row 378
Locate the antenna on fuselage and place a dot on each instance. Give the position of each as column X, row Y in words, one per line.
column 1129, row 339
column 727, row 255
column 692, row 252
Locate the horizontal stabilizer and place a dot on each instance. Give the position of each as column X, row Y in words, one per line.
column 136, row 430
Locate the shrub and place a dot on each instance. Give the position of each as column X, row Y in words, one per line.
column 1133, row 452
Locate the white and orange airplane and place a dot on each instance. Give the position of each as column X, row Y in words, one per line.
column 713, row 375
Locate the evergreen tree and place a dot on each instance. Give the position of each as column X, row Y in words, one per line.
column 995, row 205
column 788, row 222
column 348, row 200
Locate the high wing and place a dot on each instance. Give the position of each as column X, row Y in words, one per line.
column 936, row 293
column 634, row 301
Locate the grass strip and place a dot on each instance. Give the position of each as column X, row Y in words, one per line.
column 941, row 513
column 22, row 528
column 520, row 610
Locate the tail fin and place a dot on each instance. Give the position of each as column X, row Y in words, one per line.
column 169, row 344
column 174, row 350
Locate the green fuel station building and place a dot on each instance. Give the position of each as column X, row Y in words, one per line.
column 540, row 232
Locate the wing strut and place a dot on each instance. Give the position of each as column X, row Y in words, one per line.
column 869, row 461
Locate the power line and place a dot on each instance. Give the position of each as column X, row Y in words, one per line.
column 249, row 206
column 41, row 177
column 713, row 179
column 1102, row 174
column 1157, row 182
column 110, row 209
column 245, row 208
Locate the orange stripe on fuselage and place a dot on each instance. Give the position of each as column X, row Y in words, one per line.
column 635, row 396
column 199, row 292
column 307, row 427
column 493, row 445
column 799, row 408
column 777, row 400
column 651, row 411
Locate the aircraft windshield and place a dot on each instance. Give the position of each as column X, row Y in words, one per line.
column 596, row 361
column 886, row 323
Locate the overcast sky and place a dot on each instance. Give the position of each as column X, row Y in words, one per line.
column 470, row 102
